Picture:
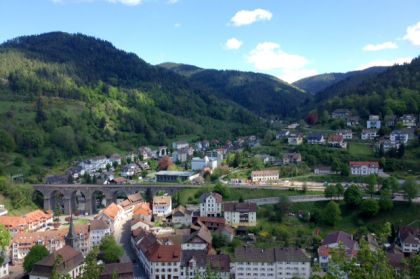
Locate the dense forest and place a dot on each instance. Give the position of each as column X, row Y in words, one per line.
column 395, row 91
column 319, row 83
column 64, row 96
column 262, row 94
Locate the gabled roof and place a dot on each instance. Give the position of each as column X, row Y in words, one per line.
column 71, row 259
column 216, row 196
column 111, row 211
column 371, row 164
column 203, row 235
column 220, row 263
column 96, row 225
column 339, row 236
column 240, row 207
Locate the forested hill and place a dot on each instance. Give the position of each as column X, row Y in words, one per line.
column 262, row 94
column 63, row 96
column 394, row 91
column 319, row 83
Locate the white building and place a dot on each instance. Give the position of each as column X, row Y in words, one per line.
column 373, row 122
column 369, row 134
column 364, row 168
column 409, row 238
column 162, row 205
column 113, row 214
column 181, row 216
column 211, row 205
column 398, row 136
column 198, row 164
column 295, row 139
column 265, row 175
column 408, row 120
column 271, row 263
column 98, row 230
column 347, row 134
column 240, row 214
column 180, row 145
column 4, row 267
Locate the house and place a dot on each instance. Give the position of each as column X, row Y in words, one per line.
column 267, row 159
column 212, row 223
column 181, row 216
column 396, row 259
column 347, row 134
column 369, row 134
column 363, row 168
column 276, row 263
column 195, row 263
column 130, row 170
column 291, row 158
column 71, row 263
column 211, row 205
column 373, row 122
column 336, row 140
column 323, row 170
column 4, row 265
column 162, row 205
column 409, row 237
column 198, row 164
column 408, row 120
column 226, row 231
column 292, row 125
column 295, row 139
column 98, row 229
column 120, row 270
column 399, row 136
column 315, row 139
column 390, row 121
column 265, row 176
column 353, row 121
column 341, row 114
column 115, row 159
column 180, row 156
column 220, row 265
column 175, row 176
column 180, row 145
column 138, row 223
column 112, row 215
column 240, row 213
column 145, row 153
column 200, row 239
column 32, row 221
column 282, row 134
column 158, row 257
column 142, row 211
column 387, row 145
column 333, row 241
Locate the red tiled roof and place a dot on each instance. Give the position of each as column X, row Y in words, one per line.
column 11, row 222
column 111, row 211
column 371, row 164
column 211, row 220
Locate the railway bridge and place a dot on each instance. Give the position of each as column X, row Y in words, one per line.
column 71, row 197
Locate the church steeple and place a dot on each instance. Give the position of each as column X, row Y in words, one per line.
column 71, row 236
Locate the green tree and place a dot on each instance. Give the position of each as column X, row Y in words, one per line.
column 55, row 272
column 222, row 190
column 369, row 207
column 91, row 269
column 37, row 253
column 219, row 240
column 331, row 214
column 385, row 200
column 353, row 196
column 5, row 237
column 7, row 142
column 339, row 189
column 410, row 189
column 280, row 209
column 371, row 184
column 330, row 191
column 237, row 161
column 345, row 170
column 40, row 115
column 148, row 195
column 110, row 251
column 413, row 266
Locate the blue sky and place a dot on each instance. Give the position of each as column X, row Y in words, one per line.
column 289, row 39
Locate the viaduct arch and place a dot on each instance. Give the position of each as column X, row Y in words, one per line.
column 64, row 196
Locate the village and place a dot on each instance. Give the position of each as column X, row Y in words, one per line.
column 165, row 238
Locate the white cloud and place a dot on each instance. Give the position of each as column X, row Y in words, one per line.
column 413, row 34
column 245, row 17
column 268, row 56
column 385, row 62
column 233, row 43
column 377, row 47
column 177, row 25
column 172, row 1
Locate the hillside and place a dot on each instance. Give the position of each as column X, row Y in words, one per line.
column 394, row 91
column 319, row 83
column 64, row 96
column 262, row 94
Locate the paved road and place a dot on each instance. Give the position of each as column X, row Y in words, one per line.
column 122, row 234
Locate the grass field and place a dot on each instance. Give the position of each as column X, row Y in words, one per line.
column 360, row 150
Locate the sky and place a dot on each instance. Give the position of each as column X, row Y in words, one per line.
column 290, row 39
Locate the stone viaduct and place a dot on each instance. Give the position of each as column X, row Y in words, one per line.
column 65, row 194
